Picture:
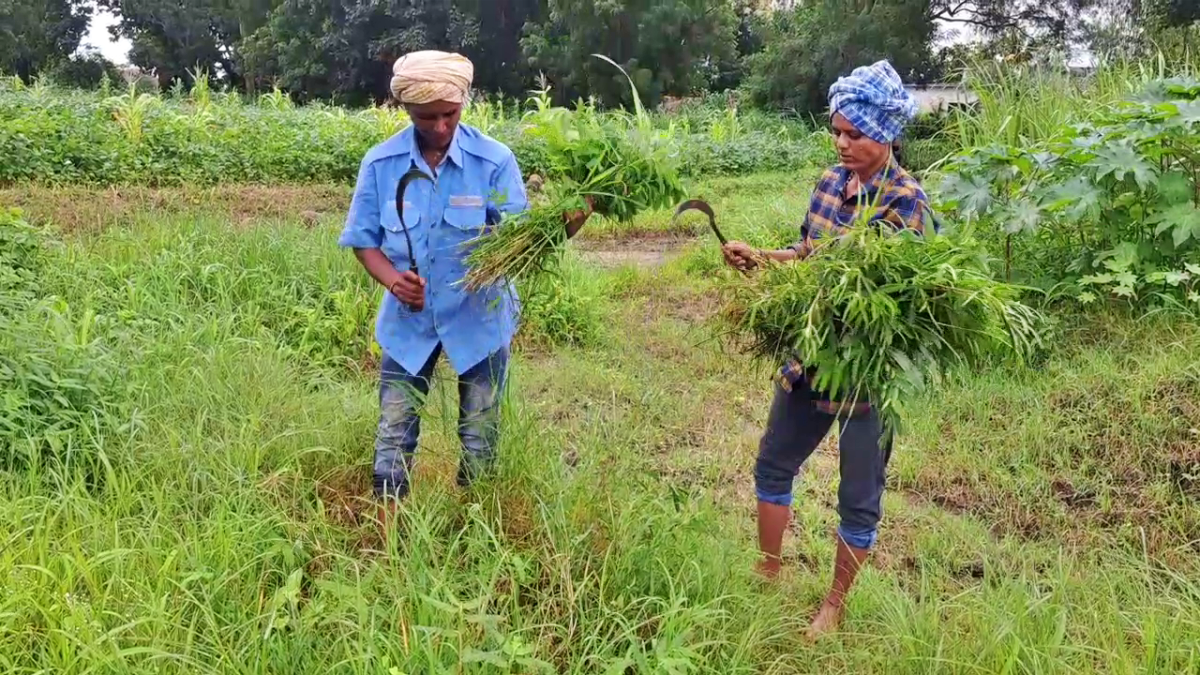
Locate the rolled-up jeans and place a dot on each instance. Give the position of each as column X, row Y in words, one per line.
column 400, row 397
column 795, row 427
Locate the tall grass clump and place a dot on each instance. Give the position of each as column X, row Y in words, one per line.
column 1031, row 103
column 611, row 163
column 57, row 381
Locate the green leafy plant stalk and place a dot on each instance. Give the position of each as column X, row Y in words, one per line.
column 873, row 314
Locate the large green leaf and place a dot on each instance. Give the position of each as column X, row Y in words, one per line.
column 1176, row 187
column 972, row 193
column 1078, row 197
column 1182, row 220
column 1022, row 216
column 1121, row 160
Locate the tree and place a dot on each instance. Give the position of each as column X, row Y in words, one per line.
column 35, row 34
column 175, row 39
column 344, row 49
column 84, row 71
column 1034, row 19
column 666, row 46
column 810, row 47
column 500, row 63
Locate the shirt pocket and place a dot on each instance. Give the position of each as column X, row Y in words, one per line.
column 395, row 244
column 468, row 219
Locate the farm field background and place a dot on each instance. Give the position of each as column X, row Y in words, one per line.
column 190, row 397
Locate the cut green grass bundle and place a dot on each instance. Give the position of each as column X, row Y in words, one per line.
column 522, row 246
column 873, row 314
column 606, row 161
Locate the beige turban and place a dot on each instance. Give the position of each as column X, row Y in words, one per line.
column 428, row 76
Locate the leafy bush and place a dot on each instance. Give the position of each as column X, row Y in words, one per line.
column 54, row 381
column 1109, row 207
column 87, row 71
column 208, row 138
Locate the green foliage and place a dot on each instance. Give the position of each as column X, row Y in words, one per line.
column 565, row 308
column 176, row 40
column 810, row 47
column 671, row 47
column 874, row 314
column 36, row 34
column 88, row 72
column 1110, row 203
column 614, row 161
column 55, row 381
column 209, row 137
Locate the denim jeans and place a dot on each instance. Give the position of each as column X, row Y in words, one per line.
column 400, row 396
column 795, row 428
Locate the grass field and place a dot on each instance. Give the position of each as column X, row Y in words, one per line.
column 211, row 512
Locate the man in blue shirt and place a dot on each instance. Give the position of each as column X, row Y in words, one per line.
column 476, row 180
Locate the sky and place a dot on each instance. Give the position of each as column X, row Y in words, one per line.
column 99, row 39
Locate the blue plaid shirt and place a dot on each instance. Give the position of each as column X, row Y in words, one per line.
column 893, row 194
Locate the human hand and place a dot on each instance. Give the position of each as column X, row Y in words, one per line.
column 740, row 255
column 576, row 219
column 409, row 288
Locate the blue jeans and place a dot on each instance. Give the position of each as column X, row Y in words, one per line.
column 795, row 427
column 400, row 396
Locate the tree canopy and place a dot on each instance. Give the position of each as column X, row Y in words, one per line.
column 784, row 54
column 35, row 35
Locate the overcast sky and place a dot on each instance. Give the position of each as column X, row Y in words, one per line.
column 99, row 39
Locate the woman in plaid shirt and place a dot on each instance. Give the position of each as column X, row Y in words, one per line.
column 869, row 109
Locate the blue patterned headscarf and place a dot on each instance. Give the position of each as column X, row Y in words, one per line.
column 874, row 100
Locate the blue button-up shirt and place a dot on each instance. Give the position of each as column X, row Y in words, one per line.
column 477, row 181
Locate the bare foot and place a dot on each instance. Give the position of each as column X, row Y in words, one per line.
column 389, row 517
column 768, row 568
column 827, row 620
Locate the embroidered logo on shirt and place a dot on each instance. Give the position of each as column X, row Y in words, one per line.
column 466, row 201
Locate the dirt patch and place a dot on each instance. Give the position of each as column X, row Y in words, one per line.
column 82, row 208
column 647, row 250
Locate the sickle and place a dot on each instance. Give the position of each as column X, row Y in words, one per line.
column 703, row 207
column 412, row 175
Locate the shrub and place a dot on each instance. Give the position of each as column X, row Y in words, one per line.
column 1107, row 207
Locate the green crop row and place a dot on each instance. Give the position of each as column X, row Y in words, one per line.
column 53, row 137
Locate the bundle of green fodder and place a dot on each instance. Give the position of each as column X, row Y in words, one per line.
column 606, row 159
column 874, row 314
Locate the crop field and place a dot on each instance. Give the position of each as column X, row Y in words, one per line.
column 189, row 394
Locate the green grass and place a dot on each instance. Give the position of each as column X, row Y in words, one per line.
column 1039, row 520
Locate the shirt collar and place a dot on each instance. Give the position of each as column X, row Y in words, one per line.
column 887, row 174
column 454, row 154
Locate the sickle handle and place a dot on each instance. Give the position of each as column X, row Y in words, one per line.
column 412, row 175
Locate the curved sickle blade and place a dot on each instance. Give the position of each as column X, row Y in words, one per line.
column 703, row 207
column 412, row 175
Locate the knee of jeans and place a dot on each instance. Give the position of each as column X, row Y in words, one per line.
column 479, row 432
column 772, row 483
column 862, row 515
column 397, row 419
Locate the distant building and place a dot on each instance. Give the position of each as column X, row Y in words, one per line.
column 941, row 97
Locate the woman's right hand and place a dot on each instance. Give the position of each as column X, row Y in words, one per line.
column 740, row 255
